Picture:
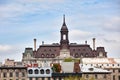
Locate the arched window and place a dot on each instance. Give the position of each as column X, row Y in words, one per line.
column 30, row 71
column 86, row 55
column 76, row 55
column 64, row 37
column 52, row 55
column 42, row 55
column 47, row 71
column 81, row 55
column 36, row 71
column 47, row 55
column 42, row 71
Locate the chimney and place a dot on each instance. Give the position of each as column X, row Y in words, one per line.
column 34, row 44
column 93, row 43
column 42, row 42
column 85, row 42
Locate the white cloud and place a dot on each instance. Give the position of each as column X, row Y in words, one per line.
column 79, row 35
column 113, row 24
column 5, row 47
column 11, row 51
column 18, row 8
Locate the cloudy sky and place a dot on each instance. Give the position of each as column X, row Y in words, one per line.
column 23, row 20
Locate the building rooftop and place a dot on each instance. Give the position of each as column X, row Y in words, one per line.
column 92, row 69
column 101, row 60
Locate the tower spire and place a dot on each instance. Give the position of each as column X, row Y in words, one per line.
column 64, row 24
column 63, row 18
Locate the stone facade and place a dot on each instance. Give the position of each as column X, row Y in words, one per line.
column 97, row 76
column 9, row 62
column 13, row 73
column 110, row 64
column 115, row 75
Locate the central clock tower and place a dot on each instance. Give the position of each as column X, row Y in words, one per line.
column 64, row 42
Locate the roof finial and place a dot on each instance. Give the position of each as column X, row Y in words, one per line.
column 63, row 18
column 64, row 24
column 64, row 27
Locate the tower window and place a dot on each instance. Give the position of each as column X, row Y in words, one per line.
column 64, row 37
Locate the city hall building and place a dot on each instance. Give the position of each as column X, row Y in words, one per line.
column 58, row 51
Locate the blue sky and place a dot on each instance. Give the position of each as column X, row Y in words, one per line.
column 23, row 20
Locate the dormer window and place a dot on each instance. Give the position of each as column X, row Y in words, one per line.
column 47, row 55
column 42, row 55
column 52, row 55
column 100, row 54
column 76, row 55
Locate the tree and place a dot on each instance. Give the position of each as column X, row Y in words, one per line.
column 56, row 67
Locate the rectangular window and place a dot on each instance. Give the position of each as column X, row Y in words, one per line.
column 17, row 74
column 23, row 74
column 36, row 79
column 96, row 76
column 113, row 70
column 11, row 74
column 5, row 75
column 118, row 77
column 30, row 78
column 43, row 78
column 105, row 76
column 87, row 76
column 113, row 77
column 119, row 70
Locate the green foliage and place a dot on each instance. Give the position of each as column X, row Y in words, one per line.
column 77, row 60
column 68, row 60
column 56, row 67
column 71, row 60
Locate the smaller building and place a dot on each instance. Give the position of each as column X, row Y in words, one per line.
column 110, row 64
column 13, row 73
column 12, row 63
column 9, row 63
column 89, row 72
